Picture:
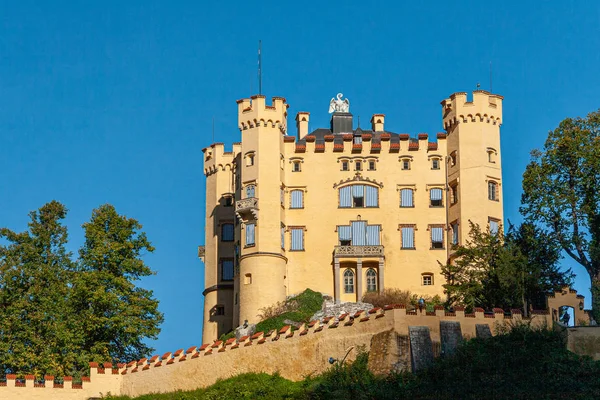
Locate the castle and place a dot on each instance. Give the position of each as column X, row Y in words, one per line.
column 342, row 210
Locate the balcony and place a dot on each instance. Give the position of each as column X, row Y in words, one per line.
column 247, row 209
column 358, row 251
column 201, row 252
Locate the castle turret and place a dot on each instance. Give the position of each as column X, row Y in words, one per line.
column 262, row 263
column 473, row 161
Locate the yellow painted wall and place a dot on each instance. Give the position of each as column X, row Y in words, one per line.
column 276, row 272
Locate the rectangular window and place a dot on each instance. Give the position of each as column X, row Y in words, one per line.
column 250, row 191
column 250, row 228
column 359, row 229
column 437, row 237
column 345, row 166
column 406, row 198
column 358, row 165
column 373, row 235
column 297, row 239
column 405, row 164
column 281, row 196
column 454, row 194
column 282, row 237
column 492, row 191
column 435, row 164
column 227, row 232
column 219, row 310
column 297, row 197
column 371, row 199
column 454, row 227
column 371, row 165
column 494, row 226
column 227, row 269
column 435, row 196
column 408, row 237
column 344, row 235
column 228, row 201
column 427, row 280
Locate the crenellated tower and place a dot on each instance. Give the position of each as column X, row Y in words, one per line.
column 262, row 261
column 473, row 161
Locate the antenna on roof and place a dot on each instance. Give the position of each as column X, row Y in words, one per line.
column 259, row 67
column 478, row 85
column 491, row 91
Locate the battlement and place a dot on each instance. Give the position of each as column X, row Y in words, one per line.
column 485, row 107
column 369, row 144
column 254, row 112
column 217, row 158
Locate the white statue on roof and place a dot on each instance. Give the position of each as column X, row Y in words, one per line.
column 339, row 105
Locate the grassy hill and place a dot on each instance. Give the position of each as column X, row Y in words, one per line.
column 520, row 364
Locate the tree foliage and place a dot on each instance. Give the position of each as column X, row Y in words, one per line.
column 561, row 193
column 56, row 313
column 515, row 270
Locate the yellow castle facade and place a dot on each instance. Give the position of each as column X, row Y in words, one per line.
column 342, row 210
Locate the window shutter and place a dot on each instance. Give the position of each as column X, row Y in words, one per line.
column 358, row 191
column 227, row 270
column 435, row 194
column 250, row 234
column 344, row 232
column 373, row 235
column 437, row 234
column 358, row 233
column 297, row 238
column 297, row 199
column 408, row 237
column 346, row 196
column 371, row 196
column 227, row 234
column 406, row 198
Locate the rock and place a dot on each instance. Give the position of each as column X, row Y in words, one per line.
column 330, row 309
column 292, row 323
column 245, row 330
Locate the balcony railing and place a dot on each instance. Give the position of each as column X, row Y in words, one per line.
column 247, row 209
column 358, row 251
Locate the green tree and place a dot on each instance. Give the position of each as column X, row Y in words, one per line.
column 116, row 315
column 36, row 328
column 494, row 270
column 561, row 193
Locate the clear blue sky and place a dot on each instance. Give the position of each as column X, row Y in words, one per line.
column 112, row 101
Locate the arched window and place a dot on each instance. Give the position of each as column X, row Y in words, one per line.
column 358, row 196
column 371, row 280
column 492, row 190
column 348, row 281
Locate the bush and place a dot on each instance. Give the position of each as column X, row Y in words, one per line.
column 396, row 296
column 298, row 309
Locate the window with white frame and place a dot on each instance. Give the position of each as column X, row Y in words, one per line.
column 297, row 238
column 435, row 163
column 371, row 280
column 345, row 166
column 358, row 196
column 494, row 225
column 405, row 163
column 372, row 165
column 437, row 236
column 296, row 166
column 407, row 197
column 348, row 281
column 296, row 199
column 358, row 165
column 250, row 233
column 427, row 279
column 407, row 237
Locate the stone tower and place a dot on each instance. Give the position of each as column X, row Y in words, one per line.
column 473, row 161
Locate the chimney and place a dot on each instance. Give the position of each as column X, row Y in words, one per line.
column 377, row 122
column 302, row 119
column 341, row 122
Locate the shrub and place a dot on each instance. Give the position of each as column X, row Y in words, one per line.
column 388, row 296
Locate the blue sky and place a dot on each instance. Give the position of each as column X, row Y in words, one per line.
column 112, row 101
